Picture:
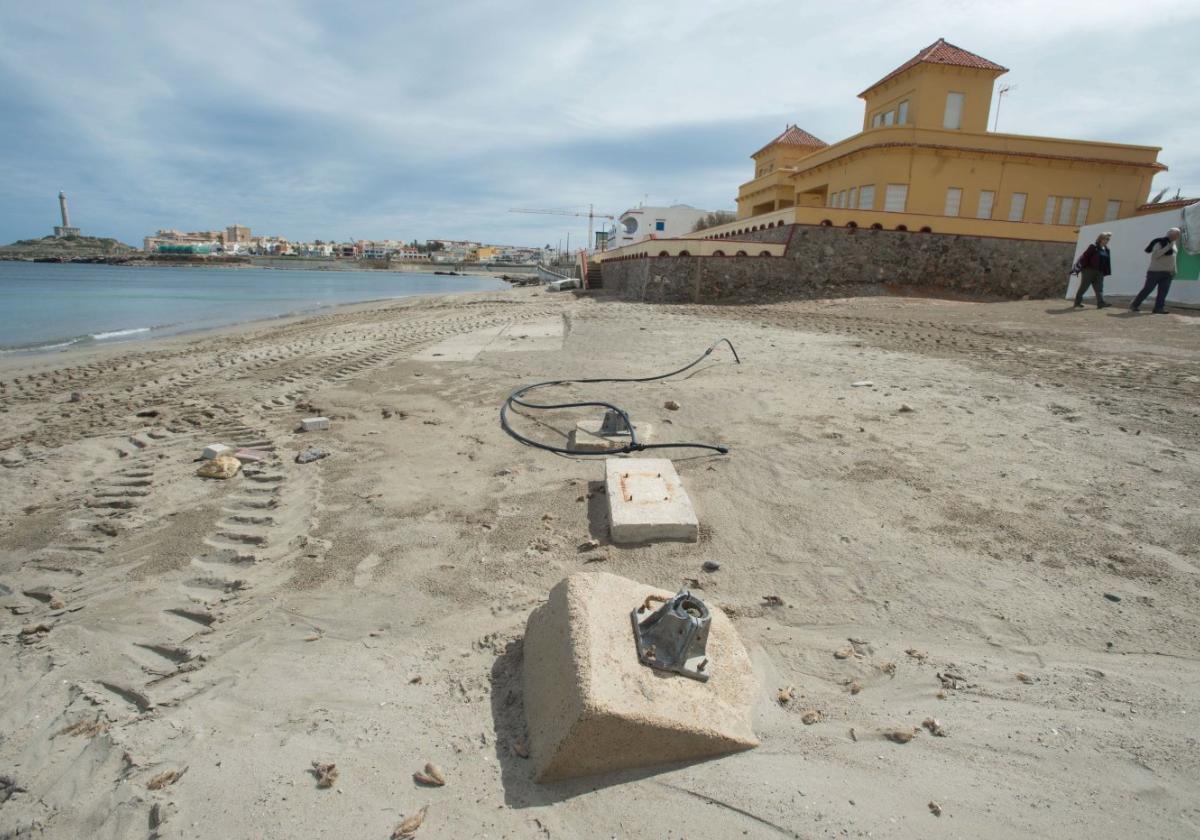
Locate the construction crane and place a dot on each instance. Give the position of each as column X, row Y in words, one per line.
column 591, row 217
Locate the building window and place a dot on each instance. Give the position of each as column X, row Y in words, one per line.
column 876, row 120
column 866, row 197
column 1048, row 216
column 660, row 224
column 830, row 199
column 889, row 118
column 1112, row 210
column 841, row 198
column 1081, row 214
column 986, row 199
column 953, row 200
column 1065, row 209
column 902, row 113
column 954, row 107
column 895, row 198
column 1016, row 210
column 852, row 201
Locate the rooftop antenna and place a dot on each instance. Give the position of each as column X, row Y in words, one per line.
column 1000, row 101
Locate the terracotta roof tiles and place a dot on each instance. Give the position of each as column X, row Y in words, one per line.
column 793, row 135
column 942, row 52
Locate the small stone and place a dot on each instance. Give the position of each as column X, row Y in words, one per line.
column 864, row 383
column 843, row 653
column 855, row 687
column 215, row 450
column 711, row 566
column 811, row 716
column 76, row 396
column 310, row 455
column 1112, row 597
column 935, row 808
column 935, row 727
column 671, row 405
column 905, row 408
column 223, row 466
column 899, row 736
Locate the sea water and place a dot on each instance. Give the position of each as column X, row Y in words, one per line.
column 50, row 306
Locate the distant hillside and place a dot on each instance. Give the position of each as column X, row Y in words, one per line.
column 73, row 247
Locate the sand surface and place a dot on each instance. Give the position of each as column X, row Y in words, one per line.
column 175, row 652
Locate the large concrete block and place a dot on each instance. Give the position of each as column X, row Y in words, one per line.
column 646, row 501
column 592, row 707
column 314, row 424
column 215, row 450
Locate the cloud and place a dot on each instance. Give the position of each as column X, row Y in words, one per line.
column 423, row 119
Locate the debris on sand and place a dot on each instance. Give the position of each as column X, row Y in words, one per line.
column 312, row 454
column 811, row 716
column 30, row 633
column 855, row 687
column 772, row 600
column 671, row 405
column 1025, row 678
column 326, row 774
column 935, row 808
column 785, row 695
column 899, row 736
column 409, row 827
column 953, row 681
column 169, row 777
column 432, row 776
column 905, row 408
column 843, row 653
column 918, row 655
column 935, row 727
column 589, row 545
column 223, row 466
column 711, row 566
column 85, row 727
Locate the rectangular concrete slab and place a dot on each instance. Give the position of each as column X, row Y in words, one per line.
column 646, row 501
column 592, row 707
column 542, row 334
column 314, row 424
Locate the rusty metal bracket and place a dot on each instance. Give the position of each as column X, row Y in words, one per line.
column 673, row 637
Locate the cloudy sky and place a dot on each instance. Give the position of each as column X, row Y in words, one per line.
column 432, row 119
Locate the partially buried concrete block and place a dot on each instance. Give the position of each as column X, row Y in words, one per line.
column 646, row 501
column 592, row 707
column 215, row 450
column 314, row 424
column 589, row 436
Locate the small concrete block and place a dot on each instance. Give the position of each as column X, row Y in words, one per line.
column 646, row 501
column 314, row 424
column 586, row 436
column 592, row 707
column 214, row 450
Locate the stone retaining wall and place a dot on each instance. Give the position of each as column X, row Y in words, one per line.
column 822, row 262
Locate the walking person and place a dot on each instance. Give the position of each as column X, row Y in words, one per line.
column 1162, row 251
column 1094, row 266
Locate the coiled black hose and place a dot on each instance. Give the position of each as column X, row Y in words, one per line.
column 633, row 446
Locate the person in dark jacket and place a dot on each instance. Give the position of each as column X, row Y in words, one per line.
column 1094, row 266
column 1162, row 251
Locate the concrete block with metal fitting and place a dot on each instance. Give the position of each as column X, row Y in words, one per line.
column 646, row 501
column 594, row 703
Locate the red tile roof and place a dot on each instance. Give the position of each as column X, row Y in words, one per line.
column 793, row 135
column 941, row 52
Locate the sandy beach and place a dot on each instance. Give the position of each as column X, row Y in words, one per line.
column 996, row 527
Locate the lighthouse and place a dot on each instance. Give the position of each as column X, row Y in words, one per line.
column 64, row 230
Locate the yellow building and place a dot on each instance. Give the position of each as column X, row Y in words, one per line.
column 487, row 253
column 925, row 160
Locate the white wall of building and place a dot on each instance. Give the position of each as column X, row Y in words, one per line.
column 641, row 223
column 1129, row 257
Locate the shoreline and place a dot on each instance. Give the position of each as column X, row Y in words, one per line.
column 19, row 362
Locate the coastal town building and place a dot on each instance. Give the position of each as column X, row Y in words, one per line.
column 640, row 223
column 925, row 160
